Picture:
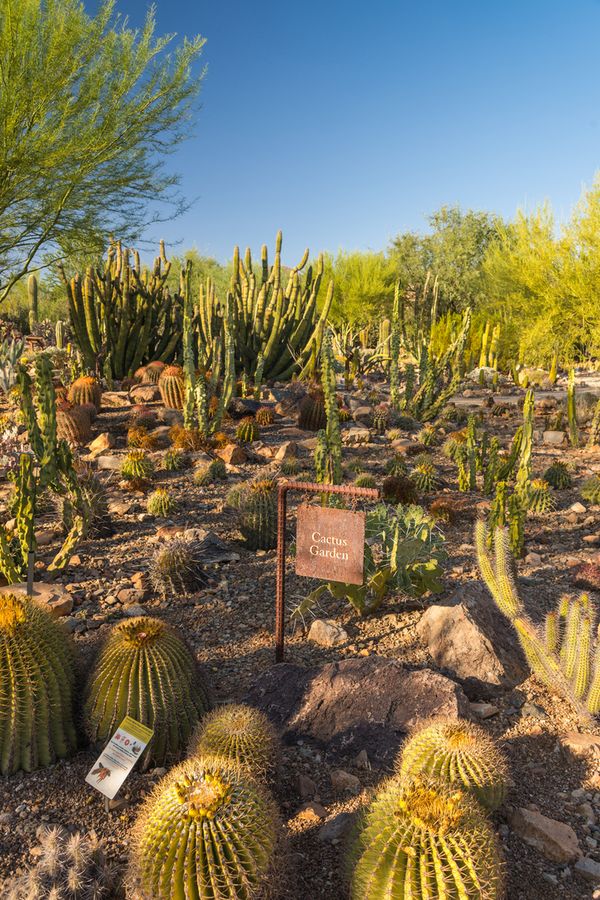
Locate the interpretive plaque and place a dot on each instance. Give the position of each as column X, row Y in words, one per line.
column 330, row 544
column 119, row 757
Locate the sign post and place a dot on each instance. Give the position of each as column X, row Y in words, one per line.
column 330, row 543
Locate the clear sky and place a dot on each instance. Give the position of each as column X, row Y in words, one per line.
column 345, row 122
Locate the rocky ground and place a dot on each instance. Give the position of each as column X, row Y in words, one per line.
column 229, row 624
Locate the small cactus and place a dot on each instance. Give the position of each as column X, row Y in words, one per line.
column 365, row 481
column 68, row 867
column 37, row 681
column 399, row 489
column 216, row 828
column 459, row 754
column 137, row 468
column 210, row 473
column 428, row 436
column 265, row 416
column 171, row 385
column 239, row 733
column 145, row 671
column 425, row 476
column 396, row 466
column 558, row 476
column 160, row 503
column 174, row 460
column 380, row 419
column 500, row 409
column 143, row 415
column 176, row 568
column 73, row 424
column 86, row 389
column 591, row 490
column 311, row 412
column 247, row 431
column 540, row 499
column 429, row 840
column 139, row 438
column 289, row 467
column 258, row 515
column 187, row 439
column 454, row 444
column 153, row 371
column 95, row 498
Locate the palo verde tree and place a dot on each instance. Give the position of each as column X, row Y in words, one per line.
column 88, row 110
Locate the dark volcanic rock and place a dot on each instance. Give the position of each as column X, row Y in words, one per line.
column 355, row 704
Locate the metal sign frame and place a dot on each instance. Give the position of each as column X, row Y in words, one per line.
column 308, row 487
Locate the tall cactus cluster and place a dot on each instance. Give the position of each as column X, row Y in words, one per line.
column 328, row 452
column 37, row 674
column 146, row 672
column 564, row 654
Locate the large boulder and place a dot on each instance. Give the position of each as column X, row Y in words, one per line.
column 468, row 637
column 355, row 704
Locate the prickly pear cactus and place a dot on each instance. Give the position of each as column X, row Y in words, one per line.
column 208, row 831
column 239, row 733
column 171, row 385
column 146, row 671
column 258, row 515
column 85, row 389
column 458, row 753
column 426, row 840
column 37, row 678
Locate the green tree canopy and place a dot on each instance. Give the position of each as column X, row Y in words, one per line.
column 364, row 286
column 89, row 108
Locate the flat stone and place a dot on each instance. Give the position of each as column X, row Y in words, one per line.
column 54, row 597
column 363, row 414
column 554, row 438
column 144, row 393
column 355, row 703
column 115, row 399
column 306, row 787
column 484, row 710
column 355, row 435
column 104, row 441
column 589, row 869
column 287, row 450
column 554, row 840
column 581, row 744
column 240, row 407
column 578, row 508
column 470, row 638
column 327, row 633
column 108, row 462
column 170, row 416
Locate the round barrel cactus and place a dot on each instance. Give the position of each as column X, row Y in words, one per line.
column 247, row 431
column 160, row 503
column 73, row 424
column 209, row 830
column 558, row 475
column 145, row 671
column 460, row 754
column 311, row 412
column 258, row 515
column 426, row 840
column 171, row 385
column 540, row 496
column 265, row 415
column 86, row 389
column 37, row 678
column 137, row 468
column 240, row 733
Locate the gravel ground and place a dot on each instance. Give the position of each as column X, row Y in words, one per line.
column 229, row 626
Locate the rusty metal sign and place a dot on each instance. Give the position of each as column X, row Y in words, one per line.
column 330, row 544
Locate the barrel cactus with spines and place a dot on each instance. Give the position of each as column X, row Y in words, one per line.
column 210, row 473
column 176, row 568
column 171, row 385
column 139, row 438
column 289, row 467
column 37, row 679
column 425, row 476
column 399, row 489
column 161, row 503
column 540, row 499
column 173, row 460
column 591, row 490
column 311, row 412
column 458, row 753
column 396, row 466
column 558, row 475
column 425, row 840
column 380, row 419
column 209, row 830
column 137, row 468
column 239, row 733
column 265, row 415
column 428, row 436
column 73, row 424
column 154, row 370
column 85, row 389
column 247, row 431
column 146, row 671
column 143, row 415
column 258, row 515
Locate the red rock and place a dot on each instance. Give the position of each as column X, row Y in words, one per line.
column 555, row 840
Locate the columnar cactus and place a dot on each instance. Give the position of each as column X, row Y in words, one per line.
column 145, row 671
column 171, row 385
column 37, row 675
column 258, row 515
column 239, row 733
column 459, row 754
column 209, row 830
column 248, row 431
column 85, row 390
column 426, row 840
column 32, row 291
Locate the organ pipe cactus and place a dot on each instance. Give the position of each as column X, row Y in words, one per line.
column 565, row 653
column 32, row 291
column 459, row 754
column 145, row 671
column 38, row 679
column 241, row 734
column 424, row 840
column 209, row 830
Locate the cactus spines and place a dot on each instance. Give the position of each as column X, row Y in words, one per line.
column 137, row 468
column 86, row 389
column 425, row 840
column 146, row 671
column 258, row 515
column 161, row 503
column 139, row 438
column 171, row 385
column 210, row 473
column 187, row 438
column 38, row 683
column 73, row 424
column 311, row 412
column 380, row 418
column 265, row 416
column 176, row 568
column 247, row 431
column 217, row 829
column 540, row 496
column 428, row 436
column 173, row 460
column 68, row 867
column 289, row 467
column 239, row 733
column 558, row 476
column 458, row 753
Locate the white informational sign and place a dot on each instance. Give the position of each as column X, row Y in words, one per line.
column 119, row 757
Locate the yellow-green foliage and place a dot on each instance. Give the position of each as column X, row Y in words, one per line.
column 459, row 754
column 145, row 671
column 247, row 431
column 208, row 831
column 160, row 503
column 239, row 733
column 37, row 682
column 423, row 841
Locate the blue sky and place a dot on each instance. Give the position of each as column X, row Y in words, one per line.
column 344, row 123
